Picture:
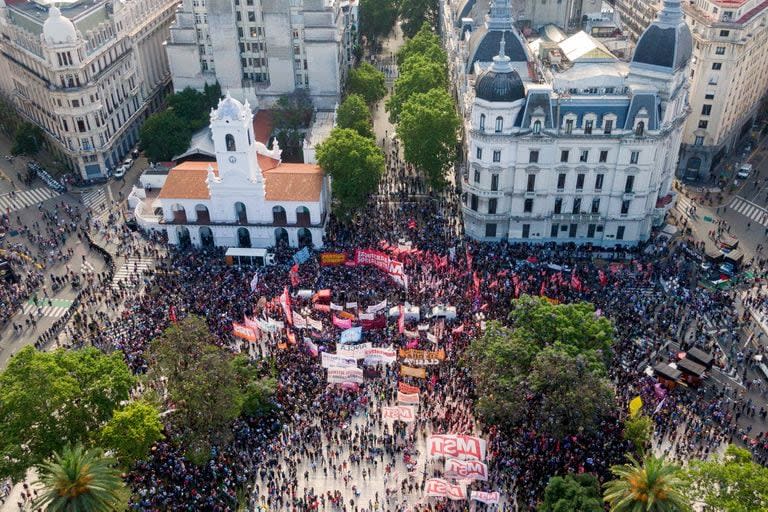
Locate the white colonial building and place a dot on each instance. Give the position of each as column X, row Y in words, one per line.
column 246, row 198
column 87, row 72
column 568, row 143
column 260, row 50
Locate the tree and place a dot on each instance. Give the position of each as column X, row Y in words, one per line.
column 368, row 82
column 419, row 75
column 572, row 493
column 293, row 111
column 132, row 431
column 416, row 13
column 259, row 390
column 425, row 43
column 355, row 164
column 201, row 384
column 652, row 485
column 80, row 480
column 427, row 127
column 377, row 18
column 51, row 399
column 735, row 483
column 28, row 139
column 191, row 106
column 164, row 135
column 9, row 117
column 353, row 113
column 638, row 431
column 212, row 94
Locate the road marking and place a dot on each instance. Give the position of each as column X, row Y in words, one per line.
column 750, row 210
column 14, row 201
column 57, row 309
column 132, row 268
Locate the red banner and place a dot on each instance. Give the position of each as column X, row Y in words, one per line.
column 466, row 469
column 243, row 332
column 456, row 446
column 439, row 488
column 342, row 324
column 407, row 398
column 330, row 259
column 407, row 388
column 377, row 323
column 404, row 413
column 383, row 262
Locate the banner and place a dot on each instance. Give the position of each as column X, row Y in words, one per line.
column 311, row 347
column 366, row 316
column 385, row 355
column 346, row 315
column 456, row 446
column 381, row 306
column 489, row 498
column 323, row 308
column 404, row 413
column 340, row 375
column 336, row 307
column 421, row 357
column 439, row 488
column 322, row 295
column 301, row 256
column 466, row 470
column 243, row 332
column 342, row 324
column 285, row 301
column 378, row 322
column 330, row 259
column 407, row 398
column 254, row 282
column 353, row 351
column 336, row 360
column 351, row 335
column 407, row 371
column 253, row 325
column 407, row 388
column 393, row 268
column 299, row 321
column 314, row 324
column 351, row 305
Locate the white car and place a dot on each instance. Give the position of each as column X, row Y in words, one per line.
column 744, row 171
column 120, row 171
column 127, row 163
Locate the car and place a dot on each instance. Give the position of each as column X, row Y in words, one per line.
column 128, row 162
column 120, row 172
column 744, row 171
column 728, row 269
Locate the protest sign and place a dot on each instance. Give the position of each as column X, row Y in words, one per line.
column 407, row 371
column 335, row 360
column 406, row 398
column 456, row 446
column 466, row 469
column 439, row 488
column 241, row 331
column 353, row 351
column 404, row 413
column 339, row 375
column 330, row 259
column 489, row 498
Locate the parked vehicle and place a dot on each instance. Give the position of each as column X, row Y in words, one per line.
column 127, row 163
column 120, row 172
column 744, row 171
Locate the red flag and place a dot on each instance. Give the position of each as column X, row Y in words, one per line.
column 294, row 275
column 401, row 321
column 603, row 278
column 291, row 336
column 172, row 314
column 458, row 330
column 575, row 282
column 543, row 290
column 285, row 301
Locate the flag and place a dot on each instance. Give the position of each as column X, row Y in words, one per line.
column 658, row 407
column 322, row 295
column 401, row 320
column 172, row 314
column 293, row 274
column 285, row 301
column 634, row 406
column 254, row 282
column 301, row 256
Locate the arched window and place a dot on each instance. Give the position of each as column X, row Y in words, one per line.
column 241, row 213
column 230, row 140
column 482, row 121
column 499, row 124
column 302, row 216
column 537, row 127
column 640, row 129
column 278, row 216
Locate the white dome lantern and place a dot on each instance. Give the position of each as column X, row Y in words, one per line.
column 57, row 29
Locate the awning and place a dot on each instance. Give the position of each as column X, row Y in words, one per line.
column 666, row 371
column 699, row 356
column 690, row 367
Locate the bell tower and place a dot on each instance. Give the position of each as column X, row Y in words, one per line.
column 234, row 143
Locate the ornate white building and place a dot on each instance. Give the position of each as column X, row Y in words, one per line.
column 246, row 198
column 568, row 143
column 260, row 50
column 87, row 73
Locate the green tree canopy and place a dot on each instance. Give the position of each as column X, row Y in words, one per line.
column 572, row 493
column 191, row 106
column 734, row 483
column 259, row 389
column 417, row 13
column 27, row 140
column 355, row 163
column 652, row 485
column 132, row 431
column 293, row 111
column 427, row 127
column 164, row 135
column 201, row 384
column 638, row 431
column 425, row 43
column 80, row 480
column 377, row 18
column 51, row 399
column 368, row 82
column 353, row 113
column 418, row 75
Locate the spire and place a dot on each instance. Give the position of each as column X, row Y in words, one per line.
column 502, row 44
column 501, row 63
column 671, row 14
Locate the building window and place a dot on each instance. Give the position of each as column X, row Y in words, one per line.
column 703, row 124
column 494, row 182
column 564, row 156
column 561, row 181
column 572, row 229
column 526, row 230
column 579, row 181
column 588, row 126
column 477, row 176
column 725, row 33
column 634, row 157
column 536, row 127
column 533, row 157
column 230, row 142
column 709, row 96
column 531, row 183
column 629, row 185
column 576, row 205
column 603, row 157
column 553, row 230
column 497, row 156
column 490, row 230
column 528, row 205
column 558, row 205
column 492, row 203
column 640, row 129
column 482, row 122
column 591, row 231
column 608, row 126
column 584, row 155
column 569, row 126
column 620, row 233
column 717, row 66
column 699, row 141
column 479, row 153
column 499, row 124
column 625, row 207
column 706, row 110
column 595, row 205
column 720, row 50
column 599, row 182
column 473, row 202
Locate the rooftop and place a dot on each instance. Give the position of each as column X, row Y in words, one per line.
column 31, row 15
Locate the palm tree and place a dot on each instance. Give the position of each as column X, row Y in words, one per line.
column 80, row 480
column 653, row 486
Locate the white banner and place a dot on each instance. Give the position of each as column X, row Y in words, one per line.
column 366, row 316
column 439, row 488
column 489, row 498
column 342, row 375
column 466, row 469
column 351, row 305
column 431, row 337
column 456, row 446
column 405, row 398
column 315, row 324
column 377, row 307
column 385, row 355
column 336, row 307
column 404, row 413
column 353, row 351
column 299, row 321
column 334, row 360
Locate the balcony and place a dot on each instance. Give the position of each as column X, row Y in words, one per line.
column 467, row 186
column 592, row 218
column 484, row 216
column 182, row 220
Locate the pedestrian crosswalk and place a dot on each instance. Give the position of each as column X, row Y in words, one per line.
column 131, row 273
column 95, row 200
column 54, row 308
column 685, row 206
column 25, row 198
column 750, row 210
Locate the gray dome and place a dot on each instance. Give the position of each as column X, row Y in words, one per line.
column 484, row 44
column 500, row 86
column 667, row 42
column 57, row 29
